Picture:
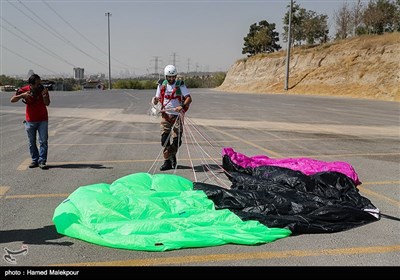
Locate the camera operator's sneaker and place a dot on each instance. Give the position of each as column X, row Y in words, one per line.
column 43, row 166
column 33, row 164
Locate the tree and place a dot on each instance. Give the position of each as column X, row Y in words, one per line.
column 262, row 38
column 307, row 26
column 356, row 16
column 348, row 20
column 381, row 16
column 397, row 16
column 343, row 22
column 298, row 16
column 315, row 28
column 6, row 80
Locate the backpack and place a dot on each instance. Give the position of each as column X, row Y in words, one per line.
column 176, row 93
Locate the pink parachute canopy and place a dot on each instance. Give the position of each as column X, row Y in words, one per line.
column 307, row 166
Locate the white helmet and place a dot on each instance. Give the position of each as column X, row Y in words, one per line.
column 170, row 70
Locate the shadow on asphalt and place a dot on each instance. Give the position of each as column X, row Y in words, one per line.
column 39, row 236
column 202, row 168
column 79, row 166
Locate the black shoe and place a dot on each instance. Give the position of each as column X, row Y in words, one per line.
column 166, row 166
column 43, row 166
column 173, row 162
column 33, row 164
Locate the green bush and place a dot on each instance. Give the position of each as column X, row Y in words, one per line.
column 204, row 81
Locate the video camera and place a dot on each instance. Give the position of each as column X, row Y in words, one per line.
column 34, row 93
column 37, row 91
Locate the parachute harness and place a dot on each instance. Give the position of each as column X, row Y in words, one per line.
column 211, row 173
column 210, row 169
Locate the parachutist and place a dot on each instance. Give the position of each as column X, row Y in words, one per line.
column 175, row 99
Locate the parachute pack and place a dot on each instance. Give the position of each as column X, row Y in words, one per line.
column 175, row 94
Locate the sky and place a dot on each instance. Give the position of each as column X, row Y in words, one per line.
column 51, row 37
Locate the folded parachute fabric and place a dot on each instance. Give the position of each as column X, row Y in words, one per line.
column 307, row 166
column 280, row 197
column 154, row 213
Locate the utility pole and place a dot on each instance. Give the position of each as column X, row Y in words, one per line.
column 288, row 46
column 174, row 59
column 156, row 66
column 109, row 54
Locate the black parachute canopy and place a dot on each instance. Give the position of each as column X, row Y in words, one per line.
column 280, row 197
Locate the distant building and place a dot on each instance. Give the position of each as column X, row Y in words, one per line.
column 79, row 73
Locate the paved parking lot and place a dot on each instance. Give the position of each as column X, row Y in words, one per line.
column 100, row 136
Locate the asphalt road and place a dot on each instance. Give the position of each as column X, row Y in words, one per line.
column 100, row 136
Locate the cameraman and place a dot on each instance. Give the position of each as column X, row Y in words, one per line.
column 36, row 97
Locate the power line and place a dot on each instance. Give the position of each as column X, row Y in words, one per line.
column 83, row 36
column 54, row 32
column 42, row 47
column 27, row 59
column 38, row 23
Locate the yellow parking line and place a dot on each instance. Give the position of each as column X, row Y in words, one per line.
column 242, row 256
column 119, row 161
column 128, row 143
column 347, row 155
column 24, row 165
column 247, row 142
column 378, row 195
column 3, row 190
column 36, row 195
column 106, row 144
column 382, row 183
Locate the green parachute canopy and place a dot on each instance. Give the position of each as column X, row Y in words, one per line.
column 154, row 213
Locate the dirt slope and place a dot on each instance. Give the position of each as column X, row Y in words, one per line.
column 362, row 67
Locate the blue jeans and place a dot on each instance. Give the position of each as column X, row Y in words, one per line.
column 39, row 156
